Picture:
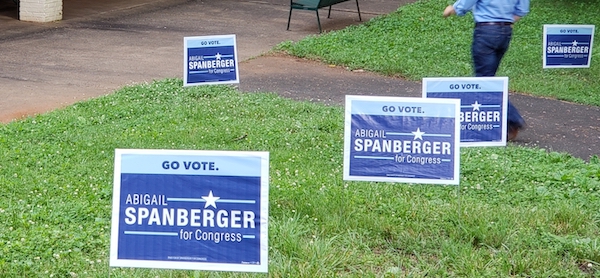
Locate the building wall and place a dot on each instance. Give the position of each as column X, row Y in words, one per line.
column 40, row 10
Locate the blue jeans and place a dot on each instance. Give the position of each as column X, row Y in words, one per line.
column 490, row 42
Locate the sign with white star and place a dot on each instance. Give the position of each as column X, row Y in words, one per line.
column 394, row 139
column 483, row 108
column 210, row 200
column 196, row 210
column 568, row 46
column 209, row 60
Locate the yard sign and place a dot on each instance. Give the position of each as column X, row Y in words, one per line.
column 568, row 46
column 394, row 139
column 210, row 60
column 483, row 108
column 196, row 210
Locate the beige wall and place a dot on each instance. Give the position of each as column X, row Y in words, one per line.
column 40, row 10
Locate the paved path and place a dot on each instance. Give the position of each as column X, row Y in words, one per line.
column 102, row 46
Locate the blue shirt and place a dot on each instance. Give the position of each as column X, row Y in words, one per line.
column 492, row 10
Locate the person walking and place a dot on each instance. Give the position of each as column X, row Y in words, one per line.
column 494, row 20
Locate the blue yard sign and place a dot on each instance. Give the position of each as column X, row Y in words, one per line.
column 394, row 139
column 210, row 60
column 196, row 210
column 483, row 107
column 568, row 46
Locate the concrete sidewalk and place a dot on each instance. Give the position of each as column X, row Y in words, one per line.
column 102, row 46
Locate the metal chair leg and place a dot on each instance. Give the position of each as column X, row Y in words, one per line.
column 318, row 20
column 359, row 17
column 289, row 18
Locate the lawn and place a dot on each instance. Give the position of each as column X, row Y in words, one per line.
column 416, row 42
column 517, row 212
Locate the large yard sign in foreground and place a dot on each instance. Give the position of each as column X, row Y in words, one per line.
column 394, row 139
column 568, row 46
column 210, row 60
column 483, row 109
column 197, row 210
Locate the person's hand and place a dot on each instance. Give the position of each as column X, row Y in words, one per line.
column 516, row 18
column 449, row 11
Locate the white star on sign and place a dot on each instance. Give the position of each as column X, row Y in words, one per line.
column 476, row 106
column 418, row 134
column 574, row 43
column 210, row 200
column 218, row 56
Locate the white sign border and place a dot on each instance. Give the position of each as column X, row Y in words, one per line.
column 264, row 210
column 348, row 135
column 504, row 79
column 185, row 62
column 545, row 42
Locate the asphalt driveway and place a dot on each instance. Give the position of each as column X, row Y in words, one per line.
column 102, row 46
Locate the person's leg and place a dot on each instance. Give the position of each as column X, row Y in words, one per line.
column 489, row 45
column 514, row 121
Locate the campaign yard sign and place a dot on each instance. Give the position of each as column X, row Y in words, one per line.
column 568, row 46
column 195, row 210
column 395, row 139
column 483, row 107
column 210, row 60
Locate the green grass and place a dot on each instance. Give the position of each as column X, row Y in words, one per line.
column 416, row 42
column 517, row 212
